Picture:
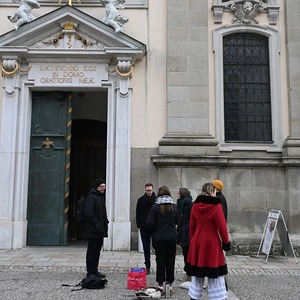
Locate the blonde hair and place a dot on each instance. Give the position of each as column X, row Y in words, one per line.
column 208, row 189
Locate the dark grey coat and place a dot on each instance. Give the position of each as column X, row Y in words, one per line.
column 183, row 227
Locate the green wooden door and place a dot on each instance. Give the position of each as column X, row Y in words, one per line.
column 48, row 176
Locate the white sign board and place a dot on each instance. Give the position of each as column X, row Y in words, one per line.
column 270, row 231
column 275, row 221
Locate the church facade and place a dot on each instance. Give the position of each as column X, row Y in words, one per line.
column 178, row 93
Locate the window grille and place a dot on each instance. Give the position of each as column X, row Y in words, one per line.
column 247, row 99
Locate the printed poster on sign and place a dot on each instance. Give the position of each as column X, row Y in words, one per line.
column 270, row 231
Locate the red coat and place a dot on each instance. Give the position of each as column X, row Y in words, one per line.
column 208, row 231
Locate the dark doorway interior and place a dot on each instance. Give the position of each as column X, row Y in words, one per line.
column 88, row 162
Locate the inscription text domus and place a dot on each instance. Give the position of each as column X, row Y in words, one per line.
column 78, row 74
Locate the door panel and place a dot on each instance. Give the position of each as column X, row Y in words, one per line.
column 46, row 193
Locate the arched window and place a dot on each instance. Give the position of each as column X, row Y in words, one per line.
column 255, row 50
column 247, row 96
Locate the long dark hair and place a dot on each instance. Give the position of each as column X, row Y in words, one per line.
column 184, row 192
column 165, row 191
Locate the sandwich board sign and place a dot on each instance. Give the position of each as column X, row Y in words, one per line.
column 275, row 221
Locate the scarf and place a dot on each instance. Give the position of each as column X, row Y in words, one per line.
column 164, row 199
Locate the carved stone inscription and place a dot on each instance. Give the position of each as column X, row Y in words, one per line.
column 77, row 74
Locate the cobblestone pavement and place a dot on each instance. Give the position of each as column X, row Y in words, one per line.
column 39, row 272
column 252, row 279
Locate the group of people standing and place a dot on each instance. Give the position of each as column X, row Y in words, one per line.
column 199, row 228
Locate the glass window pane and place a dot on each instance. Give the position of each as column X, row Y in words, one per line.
column 247, row 99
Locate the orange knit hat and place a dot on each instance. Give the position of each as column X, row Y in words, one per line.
column 218, row 184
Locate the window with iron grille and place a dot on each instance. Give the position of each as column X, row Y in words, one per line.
column 247, row 97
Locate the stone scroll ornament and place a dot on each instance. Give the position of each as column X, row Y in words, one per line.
column 113, row 18
column 23, row 14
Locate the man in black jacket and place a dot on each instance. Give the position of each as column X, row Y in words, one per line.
column 143, row 207
column 96, row 226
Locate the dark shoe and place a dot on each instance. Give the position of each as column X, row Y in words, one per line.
column 148, row 271
column 100, row 275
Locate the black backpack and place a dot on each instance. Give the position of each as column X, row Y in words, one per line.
column 90, row 283
column 93, row 283
column 80, row 216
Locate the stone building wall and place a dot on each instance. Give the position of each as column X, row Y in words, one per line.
column 256, row 180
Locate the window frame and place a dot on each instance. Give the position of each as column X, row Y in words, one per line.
column 274, row 63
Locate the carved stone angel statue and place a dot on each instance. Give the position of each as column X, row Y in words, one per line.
column 246, row 12
column 23, row 14
column 113, row 18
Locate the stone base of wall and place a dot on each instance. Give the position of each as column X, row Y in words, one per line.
column 249, row 245
column 252, row 249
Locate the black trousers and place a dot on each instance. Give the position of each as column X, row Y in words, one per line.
column 165, row 252
column 146, row 238
column 92, row 255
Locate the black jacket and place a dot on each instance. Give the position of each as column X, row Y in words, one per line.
column 183, row 228
column 163, row 226
column 96, row 216
column 224, row 204
column 143, row 207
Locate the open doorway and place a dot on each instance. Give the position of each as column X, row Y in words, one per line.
column 88, row 151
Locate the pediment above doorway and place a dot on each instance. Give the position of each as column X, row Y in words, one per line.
column 69, row 32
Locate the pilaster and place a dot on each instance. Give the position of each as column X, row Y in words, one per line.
column 292, row 143
column 13, row 223
column 119, row 138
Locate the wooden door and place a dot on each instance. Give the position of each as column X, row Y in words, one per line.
column 48, row 183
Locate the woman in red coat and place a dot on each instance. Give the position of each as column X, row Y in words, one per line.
column 208, row 236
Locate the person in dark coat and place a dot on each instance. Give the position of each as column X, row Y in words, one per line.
column 219, row 185
column 143, row 207
column 162, row 220
column 208, row 236
column 96, row 226
column 184, row 204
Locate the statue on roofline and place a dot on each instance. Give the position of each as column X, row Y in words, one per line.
column 23, row 14
column 113, row 18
